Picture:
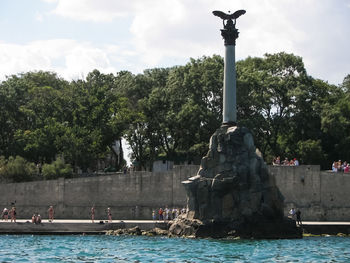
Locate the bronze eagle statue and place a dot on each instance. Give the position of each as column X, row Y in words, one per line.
column 233, row 16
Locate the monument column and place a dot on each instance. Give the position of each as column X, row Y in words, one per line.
column 230, row 34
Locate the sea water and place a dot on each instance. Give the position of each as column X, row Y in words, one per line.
column 27, row 248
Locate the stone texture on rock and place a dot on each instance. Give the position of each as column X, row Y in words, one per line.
column 233, row 192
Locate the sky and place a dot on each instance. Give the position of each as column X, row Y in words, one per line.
column 73, row 37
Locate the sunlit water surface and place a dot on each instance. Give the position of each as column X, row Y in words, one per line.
column 27, row 248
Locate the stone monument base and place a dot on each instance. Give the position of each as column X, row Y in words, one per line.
column 233, row 193
column 281, row 229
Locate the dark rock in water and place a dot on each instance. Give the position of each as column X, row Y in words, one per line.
column 134, row 231
column 184, row 227
column 233, row 194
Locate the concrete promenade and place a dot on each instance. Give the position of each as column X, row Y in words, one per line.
column 69, row 226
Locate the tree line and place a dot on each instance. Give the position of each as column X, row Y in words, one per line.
column 170, row 113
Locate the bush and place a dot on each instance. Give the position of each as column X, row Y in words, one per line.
column 310, row 152
column 3, row 162
column 56, row 169
column 17, row 169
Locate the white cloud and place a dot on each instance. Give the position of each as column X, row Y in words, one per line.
column 169, row 32
column 92, row 10
column 186, row 29
column 69, row 58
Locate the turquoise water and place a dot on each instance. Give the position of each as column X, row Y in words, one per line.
column 24, row 248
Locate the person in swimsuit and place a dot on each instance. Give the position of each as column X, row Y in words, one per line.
column 109, row 214
column 5, row 214
column 92, row 213
column 38, row 219
column 13, row 214
column 34, row 218
column 51, row 212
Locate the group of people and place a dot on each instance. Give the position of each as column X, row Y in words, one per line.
column 6, row 213
column 163, row 214
column 36, row 218
column 296, row 215
column 341, row 167
column 286, row 162
column 93, row 211
column 167, row 214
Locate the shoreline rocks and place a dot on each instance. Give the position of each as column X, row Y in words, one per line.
column 136, row 231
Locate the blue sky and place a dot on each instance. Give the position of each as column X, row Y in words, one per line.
column 73, row 37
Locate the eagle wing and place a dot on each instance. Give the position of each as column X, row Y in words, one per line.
column 238, row 13
column 224, row 16
column 221, row 14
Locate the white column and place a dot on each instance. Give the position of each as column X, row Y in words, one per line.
column 229, row 105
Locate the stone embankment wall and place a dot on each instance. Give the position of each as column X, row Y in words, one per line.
column 321, row 196
column 130, row 196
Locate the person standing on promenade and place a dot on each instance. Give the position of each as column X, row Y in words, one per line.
column 13, row 214
column 5, row 214
column 160, row 214
column 109, row 215
column 92, row 212
column 298, row 214
column 51, row 212
column 166, row 213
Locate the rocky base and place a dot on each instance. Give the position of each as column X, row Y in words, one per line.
column 282, row 229
column 194, row 228
column 233, row 194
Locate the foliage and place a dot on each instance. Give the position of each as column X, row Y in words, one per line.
column 170, row 113
column 43, row 116
column 181, row 109
column 310, row 152
column 57, row 168
column 17, row 169
column 280, row 103
column 335, row 124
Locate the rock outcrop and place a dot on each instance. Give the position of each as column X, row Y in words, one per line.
column 233, row 194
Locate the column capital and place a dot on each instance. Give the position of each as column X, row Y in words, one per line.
column 230, row 34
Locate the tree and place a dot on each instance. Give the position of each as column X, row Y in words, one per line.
column 43, row 116
column 27, row 100
column 335, row 123
column 280, row 103
column 98, row 118
column 178, row 111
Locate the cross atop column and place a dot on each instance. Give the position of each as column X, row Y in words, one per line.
column 230, row 34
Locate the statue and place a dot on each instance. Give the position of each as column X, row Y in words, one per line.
column 229, row 33
column 229, row 17
column 233, row 194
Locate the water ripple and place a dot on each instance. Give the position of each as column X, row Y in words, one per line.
column 159, row 249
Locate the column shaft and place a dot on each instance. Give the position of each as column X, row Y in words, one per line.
column 229, row 105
